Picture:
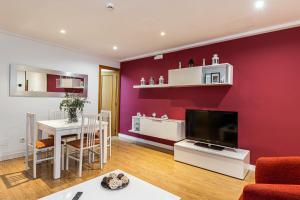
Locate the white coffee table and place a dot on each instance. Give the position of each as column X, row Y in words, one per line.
column 92, row 190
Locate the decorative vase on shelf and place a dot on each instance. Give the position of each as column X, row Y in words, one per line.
column 179, row 65
column 143, row 81
column 161, row 80
column 72, row 105
column 215, row 59
column 151, row 81
column 154, row 115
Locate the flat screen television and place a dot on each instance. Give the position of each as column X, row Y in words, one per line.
column 218, row 128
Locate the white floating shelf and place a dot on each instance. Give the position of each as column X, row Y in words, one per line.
column 151, row 86
column 195, row 77
column 170, row 86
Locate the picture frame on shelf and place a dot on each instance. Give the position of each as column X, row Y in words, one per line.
column 215, row 77
column 208, row 78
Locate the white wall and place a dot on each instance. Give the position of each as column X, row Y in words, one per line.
column 19, row 50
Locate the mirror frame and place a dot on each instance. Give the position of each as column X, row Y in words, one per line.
column 13, row 82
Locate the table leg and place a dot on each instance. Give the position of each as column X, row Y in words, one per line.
column 57, row 155
column 104, row 150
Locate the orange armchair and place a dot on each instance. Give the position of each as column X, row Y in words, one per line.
column 276, row 179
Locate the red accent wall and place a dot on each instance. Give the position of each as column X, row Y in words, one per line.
column 51, row 85
column 266, row 90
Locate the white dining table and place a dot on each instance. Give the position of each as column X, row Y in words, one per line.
column 60, row 128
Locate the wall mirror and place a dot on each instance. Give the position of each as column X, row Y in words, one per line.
column 39, row 82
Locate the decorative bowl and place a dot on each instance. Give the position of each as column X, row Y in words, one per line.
column 115, row 181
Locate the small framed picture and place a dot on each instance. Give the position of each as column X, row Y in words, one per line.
column 207, row 78
column 215, row 77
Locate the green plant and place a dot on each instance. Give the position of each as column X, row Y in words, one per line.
column 72, row 104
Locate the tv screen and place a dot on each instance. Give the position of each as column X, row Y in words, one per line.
column 212, row 127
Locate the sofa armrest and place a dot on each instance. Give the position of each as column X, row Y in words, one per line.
column 271, row 192
column 279, row 170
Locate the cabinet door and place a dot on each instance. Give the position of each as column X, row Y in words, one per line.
column 160, row 129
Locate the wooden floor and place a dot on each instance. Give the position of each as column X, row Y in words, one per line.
column 152, row 165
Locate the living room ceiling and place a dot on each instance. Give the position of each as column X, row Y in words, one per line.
column 136, row 27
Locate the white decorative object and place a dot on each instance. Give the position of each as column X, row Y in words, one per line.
column 230, row 162
column 179, row 65
column 154, row 114
column 161, row 80
column 170, row 129
column 143, row 81
column 114, row 183
column 203, row 62
column 124, row 179
column 136, row 190
column 138, row 114
column 215, row 59
column 165, row 117
column 113, row 175
column 151, row 81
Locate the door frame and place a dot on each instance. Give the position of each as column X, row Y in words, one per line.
column 100, row 91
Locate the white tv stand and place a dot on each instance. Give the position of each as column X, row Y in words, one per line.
column 230, row 162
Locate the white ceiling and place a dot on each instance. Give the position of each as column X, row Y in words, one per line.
column 135, row 25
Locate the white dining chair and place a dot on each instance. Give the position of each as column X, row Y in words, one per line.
column 106, row 116
column 56, row 114
column 87, row 142
column 36, row 146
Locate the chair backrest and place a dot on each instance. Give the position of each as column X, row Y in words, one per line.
column 31, row 129
column 57, row 114
column 106, row 116
column 90, row 125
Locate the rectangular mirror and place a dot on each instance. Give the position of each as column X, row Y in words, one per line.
column 39, row 82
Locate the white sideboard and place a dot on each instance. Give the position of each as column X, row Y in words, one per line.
column 234, row 163
column 170, row 129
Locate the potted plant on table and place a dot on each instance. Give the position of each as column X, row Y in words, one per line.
column 72, row 104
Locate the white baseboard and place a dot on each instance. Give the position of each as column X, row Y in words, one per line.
column 135, row 139
column 12, row 156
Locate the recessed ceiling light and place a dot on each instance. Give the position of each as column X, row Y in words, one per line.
column 63, row 31
column 115, row 48
column 162, row 33
column 259, row 4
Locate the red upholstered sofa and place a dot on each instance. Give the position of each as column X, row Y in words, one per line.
column 276, row 179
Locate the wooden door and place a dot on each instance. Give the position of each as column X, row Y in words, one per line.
column 110, row 96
